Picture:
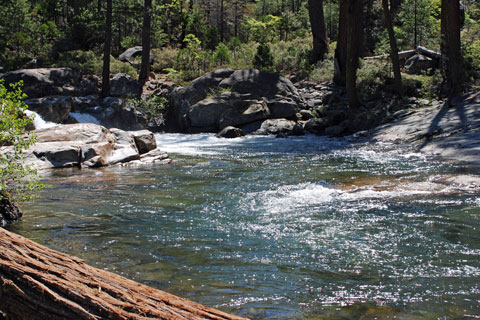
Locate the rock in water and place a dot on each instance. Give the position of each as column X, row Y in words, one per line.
column 145, row 140
column 230, row 132
column 53, row 109
column 88, row 145
column 9, row 211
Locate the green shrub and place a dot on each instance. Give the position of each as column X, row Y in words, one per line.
column 164, row 58
column 422, row 86
column 374, row 78
column 472, row 60
column 17, row 180
column 323, row 70
column 263, row 59
column 87, row 62
column 221, row 55
column 117, row 66
column 153, row 108
column 292, row 56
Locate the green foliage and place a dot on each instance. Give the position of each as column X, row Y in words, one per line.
column 173, row 75
column 374, row 78
column 422, row 16
column 323, row 70
column 214, row 92
column 264, row 29
column 263, row 59
column 87, row 62
column 153, row 108
column 422, row 86
column 190, row 60
column 234, row 44
column 221, row 56
column 16, row 178
column 212, row 38
column 292, row 56
column 164, row 58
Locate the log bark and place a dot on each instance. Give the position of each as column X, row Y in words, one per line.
column 39, row 283
column 402, row 55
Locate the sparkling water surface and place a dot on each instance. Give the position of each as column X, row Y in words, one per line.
column 298, row 228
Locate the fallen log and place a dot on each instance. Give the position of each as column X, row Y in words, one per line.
column 429, row 53
column 402, row 55
column 39, row 283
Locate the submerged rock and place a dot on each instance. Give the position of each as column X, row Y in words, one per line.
column 230, row 132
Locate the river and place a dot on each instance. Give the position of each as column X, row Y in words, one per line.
column 298, row 228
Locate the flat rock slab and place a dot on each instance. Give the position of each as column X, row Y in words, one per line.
column 451, row 131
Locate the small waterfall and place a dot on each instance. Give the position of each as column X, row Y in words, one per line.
column 84, row 118
column 38, row 121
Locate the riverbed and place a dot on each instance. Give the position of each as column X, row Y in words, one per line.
column 299, row 228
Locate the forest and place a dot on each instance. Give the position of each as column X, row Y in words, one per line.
column 317, row 40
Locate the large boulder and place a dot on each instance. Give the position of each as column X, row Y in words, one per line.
column 88, row 145
column 229, row 97
column 144, row 140
column 122, row 85
column 223, row 110
column 43, row 82
column 279, row 127
column 283, row 108
column 134, row 54
column 54, row 108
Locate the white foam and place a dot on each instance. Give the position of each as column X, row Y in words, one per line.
column 291, row 197
column 84, row 118
column 38, row 121
column 209, row 144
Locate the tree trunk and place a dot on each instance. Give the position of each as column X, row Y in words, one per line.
column 40, row 283
column 451, row 46
column 393, row 48
column 354, row 36
column 319, row 30
column 341, row 49
column 145, row 67
column 222, row 23
column 106, row 51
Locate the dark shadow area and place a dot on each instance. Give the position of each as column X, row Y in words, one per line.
column 434, row 127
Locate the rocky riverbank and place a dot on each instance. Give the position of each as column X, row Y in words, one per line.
column 233, row 103
column 450, row 131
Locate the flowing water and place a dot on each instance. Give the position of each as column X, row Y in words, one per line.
column 297, row 228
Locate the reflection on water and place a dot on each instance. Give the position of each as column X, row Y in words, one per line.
column 298, row 228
